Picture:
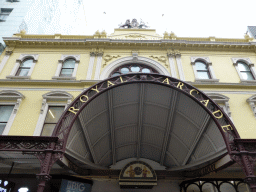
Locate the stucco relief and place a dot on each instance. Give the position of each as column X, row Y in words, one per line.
column 160, row 58
column 108, row 58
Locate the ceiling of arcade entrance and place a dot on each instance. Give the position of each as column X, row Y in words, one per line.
column 144, row 120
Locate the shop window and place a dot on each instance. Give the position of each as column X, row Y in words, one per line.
column 52, row 117
column 203, row 70
column 4, row 13
column 9, row 105
column 52, row 108
column 24, row 67
column 132, row 68
column 67, row 67
column 23, row 189
column 245, row 69
column 252, row 102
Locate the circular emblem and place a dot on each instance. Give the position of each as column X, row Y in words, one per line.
column 137, row 170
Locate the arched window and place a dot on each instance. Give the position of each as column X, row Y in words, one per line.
column 245, row 71
column 9, row 105
column 52, row 108
column 132, row 68
column 68, row 68
column 25, row 67
column 202, row 70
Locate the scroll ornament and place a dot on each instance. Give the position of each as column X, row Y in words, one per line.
column 160, row 58
column 108, row 58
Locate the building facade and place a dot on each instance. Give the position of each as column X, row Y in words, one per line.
column 128, row 111
column 36, row 17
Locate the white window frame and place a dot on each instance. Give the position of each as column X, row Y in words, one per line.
column 222, row 101
column 252, row 102
column 19, row 61
column 60, row 64
column 207, row 61
column 53, row 98
column 248, row 62
column 10, row 97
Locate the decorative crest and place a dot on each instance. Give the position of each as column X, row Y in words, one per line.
column 134, row 24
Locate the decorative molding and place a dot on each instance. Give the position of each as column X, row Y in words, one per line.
column 126, row 60
column 135, row 36
column 65, row 57
column 9, row 50
column 179, row 64
column 108, row 58
column 252, row 102
column 98, row 66
column 204, row 59
column 4, row 61
column 160, row 58
column 221, row 100
column 243, row 59
column 171, row 57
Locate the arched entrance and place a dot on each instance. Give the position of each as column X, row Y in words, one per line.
column 145, row 116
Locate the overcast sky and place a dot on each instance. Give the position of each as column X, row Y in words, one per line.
column 186, row 18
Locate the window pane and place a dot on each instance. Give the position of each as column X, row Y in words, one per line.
column 2, row 126
column 115, row 74
column 243, row 67
column 70, row 63
column 201, row 66
column 3, row 17
column 145, row 70
column 5, row 111
column 135, row 69
column 66, row 72
column 22, row 72
column 53, row 114
column 247, row 75
column 124, row 70
column 203, row 75
column 27, row 63
column 48, row 129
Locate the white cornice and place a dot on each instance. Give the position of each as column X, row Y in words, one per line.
column 247, row 46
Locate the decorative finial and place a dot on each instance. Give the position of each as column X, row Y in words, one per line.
column 134, row 24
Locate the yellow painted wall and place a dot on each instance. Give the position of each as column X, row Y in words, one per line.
column 28, row 114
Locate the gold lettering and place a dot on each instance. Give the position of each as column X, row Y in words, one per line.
column 122, row 80
column 218, row 111
column 192, row 90
column 180, row 85
column 95, row 89
column 205, row 102
column 110, row 83
column 83, row 101
column 73, row 110
column 228, row 127
column 167, row 81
